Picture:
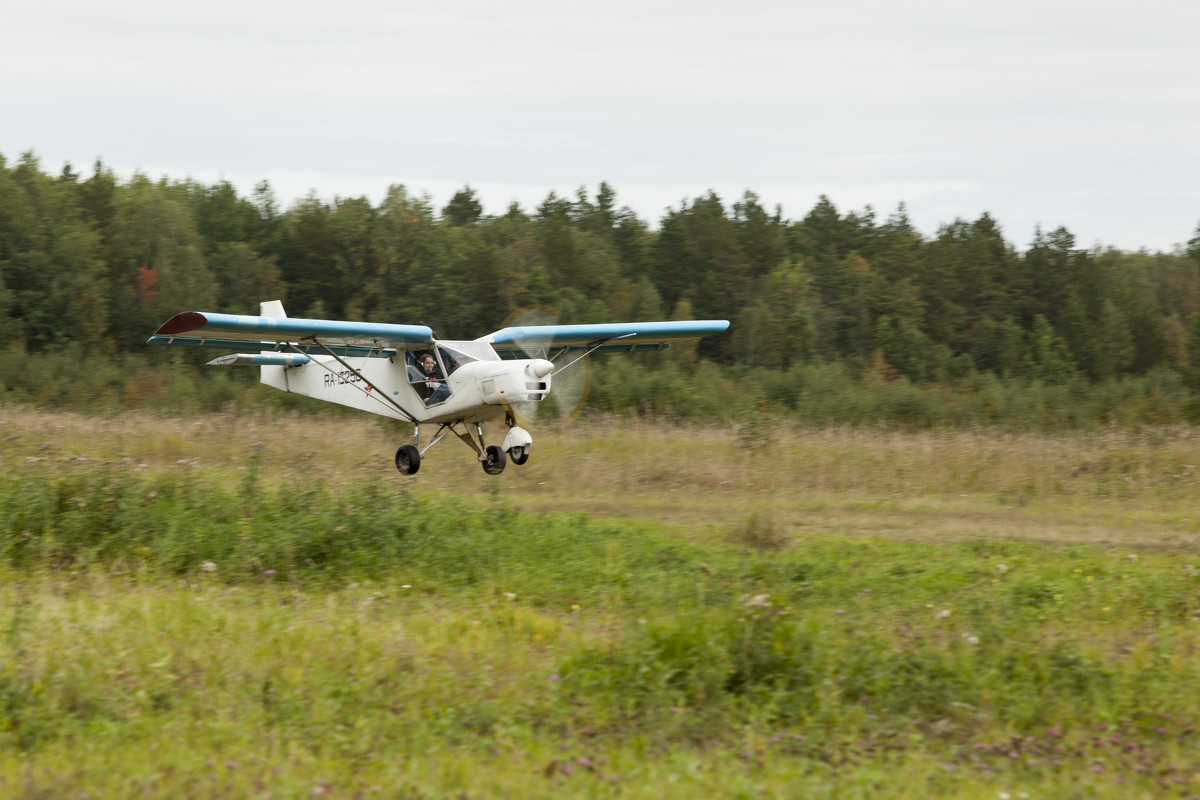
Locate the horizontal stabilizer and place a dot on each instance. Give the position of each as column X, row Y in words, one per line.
column 345, row 351
column 261, row 360
column 203, row 325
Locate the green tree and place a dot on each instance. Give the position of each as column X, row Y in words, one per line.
column 307, row 252
column 776, row 328
column 157, row 266
column 54, row 289
column 968, row 281
column 244, row 278
column 1049, row 359
column 1190, row 369
column 464, row 208
column 696, row 257
column 403, row 225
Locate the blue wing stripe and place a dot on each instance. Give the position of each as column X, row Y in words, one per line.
column 288, row 329
column 505, row 351
column 582, row 335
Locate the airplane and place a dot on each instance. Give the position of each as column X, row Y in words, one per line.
column 385, row 368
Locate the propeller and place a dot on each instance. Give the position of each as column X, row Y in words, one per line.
column 570, row 379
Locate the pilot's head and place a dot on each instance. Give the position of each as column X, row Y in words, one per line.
column 427, row 362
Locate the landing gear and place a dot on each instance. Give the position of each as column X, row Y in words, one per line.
column 408, row 459
column 491, row 456
column 517, row 442
column 494, row 460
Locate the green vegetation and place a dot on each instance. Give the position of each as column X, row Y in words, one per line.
column 222, row 624
column 922, row 525
column 836, row 317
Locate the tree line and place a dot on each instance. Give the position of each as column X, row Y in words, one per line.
column 99, row 263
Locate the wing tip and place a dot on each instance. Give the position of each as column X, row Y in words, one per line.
column 182, row 323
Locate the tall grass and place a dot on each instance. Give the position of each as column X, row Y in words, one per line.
column 186, row 614
column 444, row 634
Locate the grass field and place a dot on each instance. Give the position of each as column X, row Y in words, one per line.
column 262, row 607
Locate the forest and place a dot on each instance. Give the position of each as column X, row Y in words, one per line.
column 956, row 326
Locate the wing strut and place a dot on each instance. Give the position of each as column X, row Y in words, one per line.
column 591, row 350
column 363, row 378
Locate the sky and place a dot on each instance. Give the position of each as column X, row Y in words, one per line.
column 1040, row 113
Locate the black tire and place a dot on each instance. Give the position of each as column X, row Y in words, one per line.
column 408, row 459
column 518, row 455
column 495, row 461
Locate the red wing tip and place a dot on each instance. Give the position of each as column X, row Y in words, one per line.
column 182, row 323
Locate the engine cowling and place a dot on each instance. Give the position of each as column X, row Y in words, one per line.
column 526, row 381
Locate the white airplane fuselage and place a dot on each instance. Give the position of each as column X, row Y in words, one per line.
column 478, row 390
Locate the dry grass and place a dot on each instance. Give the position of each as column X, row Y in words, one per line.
column 504, row 655
column 1119, row 487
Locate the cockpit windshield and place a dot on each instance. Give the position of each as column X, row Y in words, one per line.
column 466, row 352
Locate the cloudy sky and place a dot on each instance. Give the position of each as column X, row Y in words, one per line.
column 1039, row 112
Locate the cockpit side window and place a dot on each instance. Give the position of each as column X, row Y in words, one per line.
column 427, row 374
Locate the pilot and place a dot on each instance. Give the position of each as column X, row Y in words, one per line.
column 434, row 379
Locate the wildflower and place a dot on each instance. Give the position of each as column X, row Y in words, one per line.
column 1132, row 557
column 1002, row 568
column 208, row 566
column 757, row 601
column 270, row 573
column 510, row 596
column 944, row 613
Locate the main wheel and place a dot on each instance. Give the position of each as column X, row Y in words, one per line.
column 408, row 459
column 519, row 455
column 494, row 463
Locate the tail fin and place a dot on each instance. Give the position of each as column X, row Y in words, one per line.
column 273, row 375
column 272, row 308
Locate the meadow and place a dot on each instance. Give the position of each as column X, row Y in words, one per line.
column 260, row 606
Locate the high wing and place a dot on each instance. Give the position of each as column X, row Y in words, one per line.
column 290, row 334
column 518, row 342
